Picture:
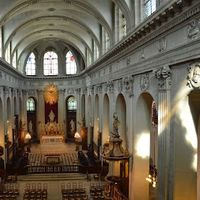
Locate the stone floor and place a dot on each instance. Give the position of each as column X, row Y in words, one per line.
column 54, row 182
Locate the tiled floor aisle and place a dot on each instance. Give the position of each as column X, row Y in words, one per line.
column 53, row 181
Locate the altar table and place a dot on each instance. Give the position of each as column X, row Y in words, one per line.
column 47, row 139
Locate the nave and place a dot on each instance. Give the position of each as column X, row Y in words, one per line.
column 39, row 180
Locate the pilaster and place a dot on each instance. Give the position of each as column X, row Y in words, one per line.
column 164, row 84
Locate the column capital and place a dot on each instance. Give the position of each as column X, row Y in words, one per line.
column 163, row 75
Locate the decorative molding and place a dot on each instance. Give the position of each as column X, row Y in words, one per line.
column 164, row 77
column 162, row 44
column 128, row 61
column 32, row 92
column 99, row 88
column 193, row 76
column 78, row 91
column 110, row 86
column 193, row 29
column 6, row 90
column 70, row 91
column 128, row 85
column 144, row 81
column 120, row 85
column 30, row 2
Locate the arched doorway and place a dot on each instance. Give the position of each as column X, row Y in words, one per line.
column 96, row 120
column 121, row 113
column 194, row 103
column 106, row 114
column 2, row 144
column 71, row 105
column 82, row 106
column 145, row 146
column 31, row 109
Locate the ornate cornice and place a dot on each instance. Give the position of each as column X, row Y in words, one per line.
column 156, row 25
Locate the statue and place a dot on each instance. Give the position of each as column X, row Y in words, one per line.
column 30, row 127
column 72, row 126
column 115, row 125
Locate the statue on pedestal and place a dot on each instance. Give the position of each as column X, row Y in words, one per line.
column 116, row 124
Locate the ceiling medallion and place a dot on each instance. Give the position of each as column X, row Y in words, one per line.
column 51, row 94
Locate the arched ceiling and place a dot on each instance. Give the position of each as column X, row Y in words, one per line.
column 77, row 22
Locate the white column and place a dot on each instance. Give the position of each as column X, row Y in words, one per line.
column 164, row 165
column 62, row 109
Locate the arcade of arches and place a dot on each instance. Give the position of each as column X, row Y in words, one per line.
column 76, row 74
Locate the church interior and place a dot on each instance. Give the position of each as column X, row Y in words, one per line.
column 99, row 99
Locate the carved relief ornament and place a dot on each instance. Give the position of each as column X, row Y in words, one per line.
column 194, row 29
column 128, row 84
column 110, row 86
column 163, row 75
column 144, row 81
column 193, row 76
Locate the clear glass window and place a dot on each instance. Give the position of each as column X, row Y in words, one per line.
column 71, row 103
column 50, row 63
column 70, row 63
column 30, row 104
column 30, row 65
column 149, row 7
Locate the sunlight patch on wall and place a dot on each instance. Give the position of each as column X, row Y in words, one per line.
column 143, row 145
column 188, row 124
column 194, row 163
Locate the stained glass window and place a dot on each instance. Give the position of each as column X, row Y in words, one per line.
column 70, row 63
column 50, row 63
column 30, row 104
column 30, row 65
column 71, row 103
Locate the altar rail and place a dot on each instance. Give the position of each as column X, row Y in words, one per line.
column 52, row 169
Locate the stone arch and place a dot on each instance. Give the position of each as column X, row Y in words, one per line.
column 106, row 114
column 82, row 107
column 142, row 146
column 121, row 113
column 96, row 119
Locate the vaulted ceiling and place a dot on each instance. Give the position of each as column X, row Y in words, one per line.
column 27, row 23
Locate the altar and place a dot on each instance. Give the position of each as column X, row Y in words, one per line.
column 51, row 132
column 50, row 139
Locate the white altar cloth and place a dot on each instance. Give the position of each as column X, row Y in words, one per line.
column 48, row 139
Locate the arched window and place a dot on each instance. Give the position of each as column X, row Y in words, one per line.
column 30, row 104
column 50, row 63
column 70, row 63
column 105, row 40
column 120, row 24
column 149, row 7
column 71, row 103
column 30, row 65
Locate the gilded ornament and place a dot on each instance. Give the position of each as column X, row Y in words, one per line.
column 51, row 94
